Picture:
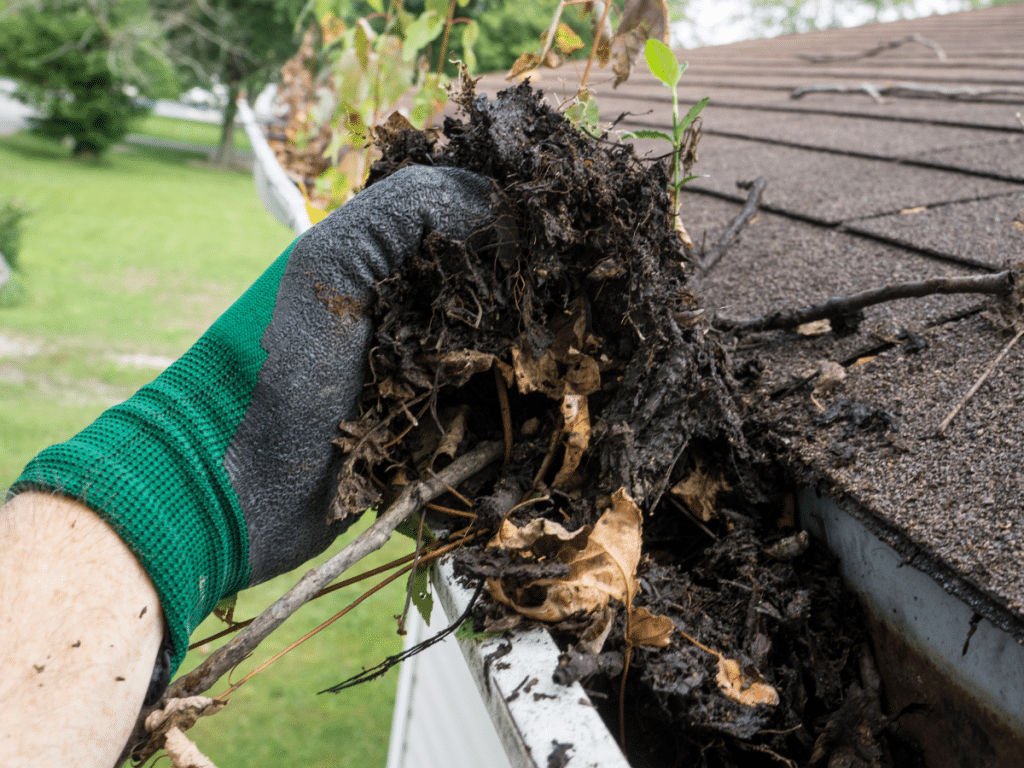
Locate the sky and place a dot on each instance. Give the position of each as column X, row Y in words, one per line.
column 726, row 21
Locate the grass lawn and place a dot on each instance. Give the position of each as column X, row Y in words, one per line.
column 137, row 255
column 187, row 131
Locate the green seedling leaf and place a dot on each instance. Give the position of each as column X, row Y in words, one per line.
column 421, row 597
column 421, row 32
column 690, row 117
column 225, row 610
column 662, row 62
column 688, row 179
column 583, row 113
column 466, row 632
column 645, row 133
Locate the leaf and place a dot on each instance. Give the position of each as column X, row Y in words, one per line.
column 225, row 609
column 421, row 597
column 642, row 20
column 690, row 116
column 566, row 40
column 645, row 133
column 470, row 34
column 421, row 32
column 576, row 431
column 700, row 490
column 315, row 214
column 466, row 632
column 525, row 63
column 748, row 689
column 583, row 113
column 647, row 629
column 605, row 569
column 663, row 63
column 816, row 328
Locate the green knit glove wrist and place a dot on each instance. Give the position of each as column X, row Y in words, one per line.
column 152, row 466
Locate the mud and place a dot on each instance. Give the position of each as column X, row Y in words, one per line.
column 568, row 329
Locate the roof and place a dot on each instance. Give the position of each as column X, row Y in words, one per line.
column 866, row 189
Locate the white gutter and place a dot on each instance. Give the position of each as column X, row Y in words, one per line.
column 276, row 191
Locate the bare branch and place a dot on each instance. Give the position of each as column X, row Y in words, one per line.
column 825, row 58
column 999, row 283
column 981, row 380
column 413, row 497
column 877, row 92
column 710, row 258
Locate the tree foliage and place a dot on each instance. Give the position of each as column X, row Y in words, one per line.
column 80, row 63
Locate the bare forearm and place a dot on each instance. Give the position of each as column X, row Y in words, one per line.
column 80, row 627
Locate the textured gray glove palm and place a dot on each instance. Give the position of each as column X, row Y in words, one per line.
column 281, row 462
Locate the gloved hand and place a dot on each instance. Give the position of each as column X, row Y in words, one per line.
column 218, row 475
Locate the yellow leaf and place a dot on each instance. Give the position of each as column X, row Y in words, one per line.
column 566, row 40
column 315, row 214
column 647, row 629
column 749, row 690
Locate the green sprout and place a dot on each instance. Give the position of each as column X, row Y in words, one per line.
column 665, row 67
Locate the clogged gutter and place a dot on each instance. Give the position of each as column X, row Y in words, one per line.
column 630, row 515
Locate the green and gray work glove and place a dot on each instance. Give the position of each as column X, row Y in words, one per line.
column 219, row 474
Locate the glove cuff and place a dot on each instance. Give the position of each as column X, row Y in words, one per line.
column 152, row 467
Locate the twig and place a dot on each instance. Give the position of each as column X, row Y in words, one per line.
column 1020, row 119
column 824, row 58
column 981, row 380
column 712, row 256
column 999, row 283
column 877, row 92
column 372, row 539
column 506, row 412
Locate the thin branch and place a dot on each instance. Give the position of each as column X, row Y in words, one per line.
column 977, row 385
column 711, row 257
column 412, row 498
column 1020, row 119
column 825, row 58
column 878, row 92
column 999, row 284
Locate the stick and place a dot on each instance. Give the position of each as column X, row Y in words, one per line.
column 823, row 58
column 981, row 380
column 999, row 283
column 711, row 258
column 372, row 539
column 876, row 92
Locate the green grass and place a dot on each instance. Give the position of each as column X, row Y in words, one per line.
column 186, row 131
column 138, row 254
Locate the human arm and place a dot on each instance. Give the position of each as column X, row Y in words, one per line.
column 80, row 628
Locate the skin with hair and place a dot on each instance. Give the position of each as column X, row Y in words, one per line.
column 80, row 625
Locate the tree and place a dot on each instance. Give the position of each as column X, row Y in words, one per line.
column 237, row 43
column 80, row 62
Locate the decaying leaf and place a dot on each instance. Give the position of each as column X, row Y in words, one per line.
column 699, row 491
column 524, row 65
column 746, row 687
column 641, row 20
column 817, row 328
column 576, row 431
column 830, row 375
column 647, row 629
column 604, row 569
column 570, row 351
column 593, row 637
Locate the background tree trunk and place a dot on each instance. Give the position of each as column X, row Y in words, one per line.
column 226, row 148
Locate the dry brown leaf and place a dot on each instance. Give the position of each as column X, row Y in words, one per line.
column 700, row 490
column 647, row 629
column 684, row 236
column 604, row 569
column 570, row 350
column 542, row 538
column 816, row 328
column 456, row 367
column 455, row 431
column 641, row 20
column 523, row 65
column 576, row 431
column 594, row 636
column 749, row 690
column 830, row 375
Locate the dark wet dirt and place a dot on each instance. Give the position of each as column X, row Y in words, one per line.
column 580, row 293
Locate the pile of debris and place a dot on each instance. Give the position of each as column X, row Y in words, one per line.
column 630, row 514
